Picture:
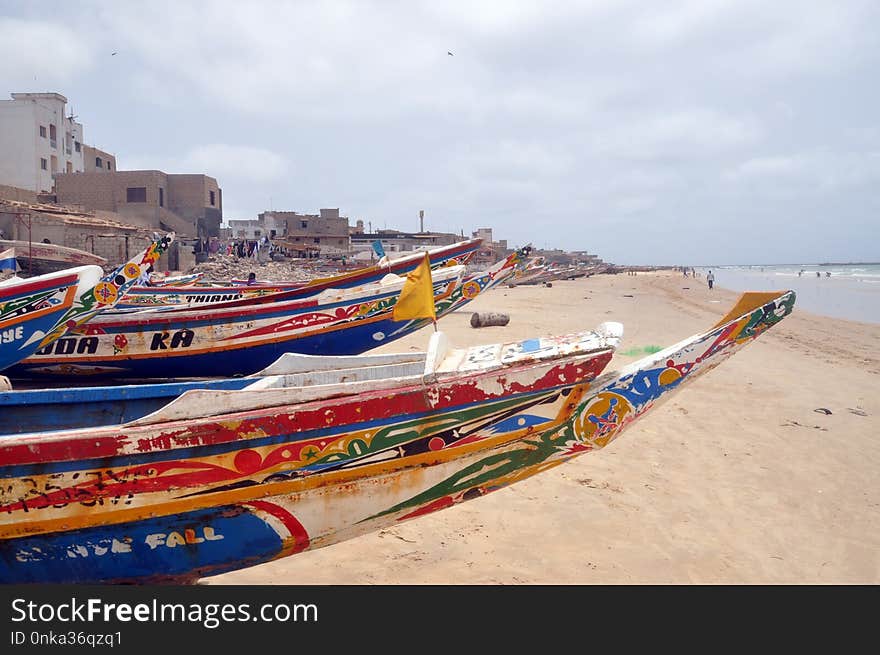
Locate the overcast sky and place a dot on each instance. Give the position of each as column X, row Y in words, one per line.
column 712, row 131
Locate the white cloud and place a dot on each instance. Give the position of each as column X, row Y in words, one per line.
column 678, row 135
column 513, row 159
column 821, row 172
column 38, row 54
column 219, row 160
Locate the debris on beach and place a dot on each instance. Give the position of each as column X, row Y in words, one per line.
column 225, row 268
column 483, row 319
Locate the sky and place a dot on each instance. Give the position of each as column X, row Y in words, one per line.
column 653, row 133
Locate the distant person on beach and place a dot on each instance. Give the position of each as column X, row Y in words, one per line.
column 710, row 279
column 252, row 279
column 827, row 273
column 818, row 274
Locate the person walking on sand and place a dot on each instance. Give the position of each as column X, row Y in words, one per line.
column 710, row 279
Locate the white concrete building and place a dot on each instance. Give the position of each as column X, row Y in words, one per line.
column 37, row 139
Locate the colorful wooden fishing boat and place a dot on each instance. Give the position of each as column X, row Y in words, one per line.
column 140, row 296
column 242, row 337
column 79, row 304
column 31, row 307
column 40, row 258
column 222, row 480
column 44, row 409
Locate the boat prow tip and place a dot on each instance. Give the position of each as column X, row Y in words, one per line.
column 749, row 301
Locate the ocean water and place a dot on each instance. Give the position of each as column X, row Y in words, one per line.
column 849, row 291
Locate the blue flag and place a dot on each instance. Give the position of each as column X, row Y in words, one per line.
column 377, row 246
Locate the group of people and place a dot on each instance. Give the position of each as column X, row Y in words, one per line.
column 238, row 248
column 249, row 247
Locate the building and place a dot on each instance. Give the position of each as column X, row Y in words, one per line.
column 97, row 161
column 249, row 228
column 37, row 140
column 394, row 241
column 97, row 232
column 326, row 231
column 190, row 205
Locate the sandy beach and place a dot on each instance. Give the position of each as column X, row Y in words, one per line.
column 735, row 480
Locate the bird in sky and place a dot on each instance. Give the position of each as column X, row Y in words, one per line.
column 449, row 53
column 112, row 54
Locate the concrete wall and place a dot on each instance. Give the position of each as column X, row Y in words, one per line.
column 17, row 193
column 186, row 199
column 91, row 156
column 23, row 149
column 191, row 198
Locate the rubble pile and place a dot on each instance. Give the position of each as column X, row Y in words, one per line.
column 223, row 268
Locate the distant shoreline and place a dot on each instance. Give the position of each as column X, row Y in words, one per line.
column 850, row 264
column 796, row 265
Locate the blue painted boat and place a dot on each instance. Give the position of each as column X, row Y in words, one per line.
column 30, row 308
column 234, row 339
column 35, row 312
column 44, row 410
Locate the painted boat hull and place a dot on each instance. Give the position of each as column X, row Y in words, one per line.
column 146, row 470
column 41, row 258
column 41, row 410
column 211, row 344
column 241, row 340
column 185, row 535
column 31, row 308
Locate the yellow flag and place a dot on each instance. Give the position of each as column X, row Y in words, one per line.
column 417, row 296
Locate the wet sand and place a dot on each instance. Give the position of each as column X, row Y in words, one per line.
column 736, row 480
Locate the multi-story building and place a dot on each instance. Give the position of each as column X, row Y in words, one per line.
column 255, row 228
column 326, row 231
column 191, row 205
column 37, row 140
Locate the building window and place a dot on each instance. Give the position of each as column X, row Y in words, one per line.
column 136, row 194
column 211, row 193
column 108, row 166
column 44, row 164
column 304, row 224
column 98, row 163
column 317, row 239
column 43, row 131
column 77, row 146
column 161, row 197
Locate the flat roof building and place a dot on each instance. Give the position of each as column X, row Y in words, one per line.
column 37, row 140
